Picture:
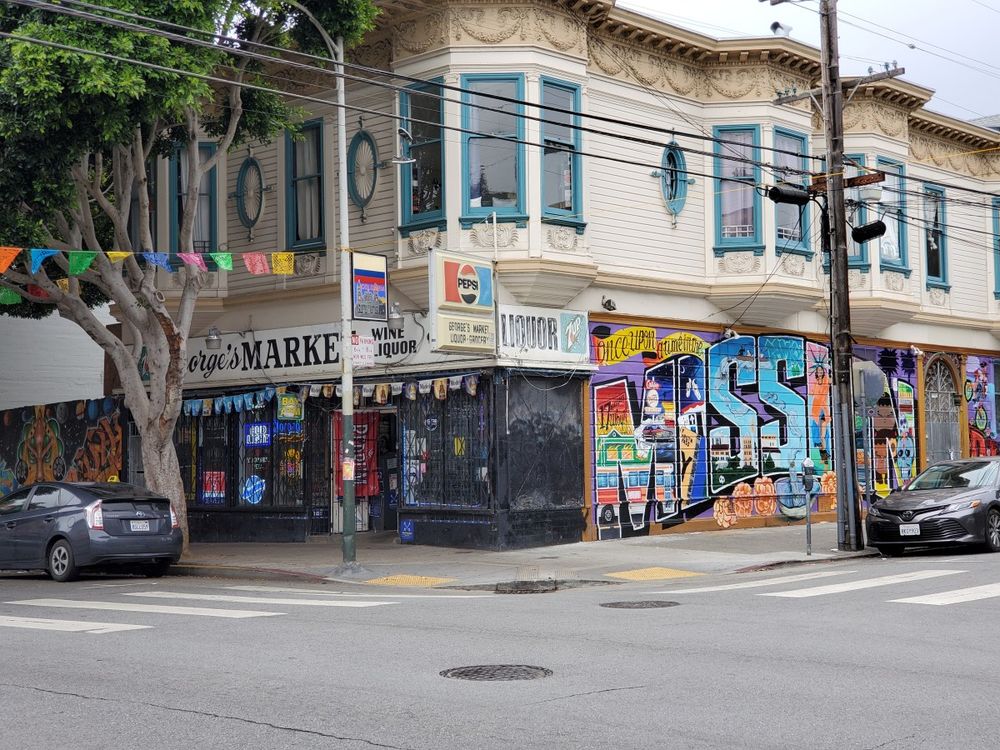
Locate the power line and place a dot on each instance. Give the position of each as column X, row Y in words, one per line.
column 59, row 9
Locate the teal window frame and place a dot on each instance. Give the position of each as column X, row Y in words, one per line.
column 753, row 243
column 802, row 246
column 573, row 217
column 940, row 281
column 291, row 202
column 995, row 204
column 174, row 186
column 410, row 222
column 474, row 214
column 674, row 192
column 903, row 264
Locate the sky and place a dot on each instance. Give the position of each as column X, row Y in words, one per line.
column 949, row 46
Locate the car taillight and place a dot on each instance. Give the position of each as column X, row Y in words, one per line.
column 95, row 516
column 173, row 519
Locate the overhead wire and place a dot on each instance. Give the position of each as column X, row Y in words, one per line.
column 60, row 8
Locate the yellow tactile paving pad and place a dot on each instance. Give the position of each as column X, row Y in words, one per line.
column 651, row 574
column 408, row 581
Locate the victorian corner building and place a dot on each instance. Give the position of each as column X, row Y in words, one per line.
column 586, row 348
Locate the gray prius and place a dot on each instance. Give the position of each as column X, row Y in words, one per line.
column 63, row 527
column 953, row 502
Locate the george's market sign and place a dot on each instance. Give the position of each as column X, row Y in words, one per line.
column 301, row 352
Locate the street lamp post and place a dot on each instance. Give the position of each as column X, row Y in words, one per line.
column 336, row 50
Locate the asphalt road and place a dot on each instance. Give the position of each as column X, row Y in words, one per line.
column 829, row 660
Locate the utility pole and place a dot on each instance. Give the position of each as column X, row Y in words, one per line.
column 848, row 510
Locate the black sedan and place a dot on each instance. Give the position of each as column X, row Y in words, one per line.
column 63, row 527
column 954, row 502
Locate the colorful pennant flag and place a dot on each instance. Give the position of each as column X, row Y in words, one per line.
column 9, row 296
column 158, row 259
column 63, row 284
column 256, row 263
column 283, row 264
column 223, row 260
column 7, row 255
column 193, row 259
column 117, row 255
column 80, row 262
column 39, row 255
column 36, row 291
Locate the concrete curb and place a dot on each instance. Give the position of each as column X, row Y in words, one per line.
column 818, row 561
column 243, row 573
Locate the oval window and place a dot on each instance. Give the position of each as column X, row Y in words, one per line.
column 673, row 178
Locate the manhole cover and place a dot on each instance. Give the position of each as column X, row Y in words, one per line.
column 646, row 604
column 492, row 672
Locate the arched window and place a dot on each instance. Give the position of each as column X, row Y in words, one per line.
column 673, row 178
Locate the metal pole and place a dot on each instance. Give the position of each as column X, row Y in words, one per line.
column 346, row 322
column 847, row 496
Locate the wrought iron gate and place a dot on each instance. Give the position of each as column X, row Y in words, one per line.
column 943, row 437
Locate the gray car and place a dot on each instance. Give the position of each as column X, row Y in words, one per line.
column 954, row 502
column 63, row 527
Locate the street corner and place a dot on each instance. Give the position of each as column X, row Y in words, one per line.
column 651, row 574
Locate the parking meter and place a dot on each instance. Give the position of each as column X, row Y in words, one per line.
column 808, row 483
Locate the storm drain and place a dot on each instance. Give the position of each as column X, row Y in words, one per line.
column 644, row 604
column 495, row 672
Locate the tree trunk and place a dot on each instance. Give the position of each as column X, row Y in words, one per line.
column 162, row 469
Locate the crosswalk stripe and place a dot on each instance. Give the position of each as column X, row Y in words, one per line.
column 255, row 599
column 957, row 596
column 759, row 583
column 234, row 614
column 321, row 592
column 67, row 626
column 867, row 583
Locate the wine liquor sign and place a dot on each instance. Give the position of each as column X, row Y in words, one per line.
column 541, row 335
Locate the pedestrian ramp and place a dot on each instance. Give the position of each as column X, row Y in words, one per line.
column 816, row 584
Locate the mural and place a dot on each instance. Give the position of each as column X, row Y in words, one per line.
column 693, row 425
column 980, row 393
column 75, row 441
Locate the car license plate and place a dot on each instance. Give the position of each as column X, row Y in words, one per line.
column 905, row 529
column 139, row 525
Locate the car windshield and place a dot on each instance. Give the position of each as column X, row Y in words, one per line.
column 962, row 475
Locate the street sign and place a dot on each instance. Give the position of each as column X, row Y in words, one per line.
column 818, row 184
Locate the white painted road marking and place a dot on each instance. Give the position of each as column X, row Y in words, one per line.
column 868, row 583
column 235, row 614
column 759, row 583
column 256, row 600
column 321, row 592
column 989, row 591
column 67, row 626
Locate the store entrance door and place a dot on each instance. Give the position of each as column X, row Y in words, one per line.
column 376, row 470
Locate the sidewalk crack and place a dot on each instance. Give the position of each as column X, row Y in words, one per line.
column 207, row 714
column 591, row 692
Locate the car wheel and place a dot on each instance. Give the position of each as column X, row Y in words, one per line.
column 157, row 569
column 887, row 551
column 61, row 565
column 993, row 530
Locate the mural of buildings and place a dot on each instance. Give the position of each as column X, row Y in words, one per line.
column 690, row 425
column 75, row 441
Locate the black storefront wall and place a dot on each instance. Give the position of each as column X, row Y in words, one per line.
column 526, row 487
column 250, row 477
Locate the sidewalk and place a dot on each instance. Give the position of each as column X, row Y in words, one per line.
column 384, row 561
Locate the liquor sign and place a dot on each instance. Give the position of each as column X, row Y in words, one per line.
column 369, row 287
column 462, row 304
column 543, row 335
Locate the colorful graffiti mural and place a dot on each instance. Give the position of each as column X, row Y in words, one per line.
column 693, row 425
column 74, row 441
column 980, row 393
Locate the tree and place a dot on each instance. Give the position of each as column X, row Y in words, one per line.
column 77, row 133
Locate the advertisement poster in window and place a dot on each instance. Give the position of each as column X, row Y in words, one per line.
column 213, row 487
